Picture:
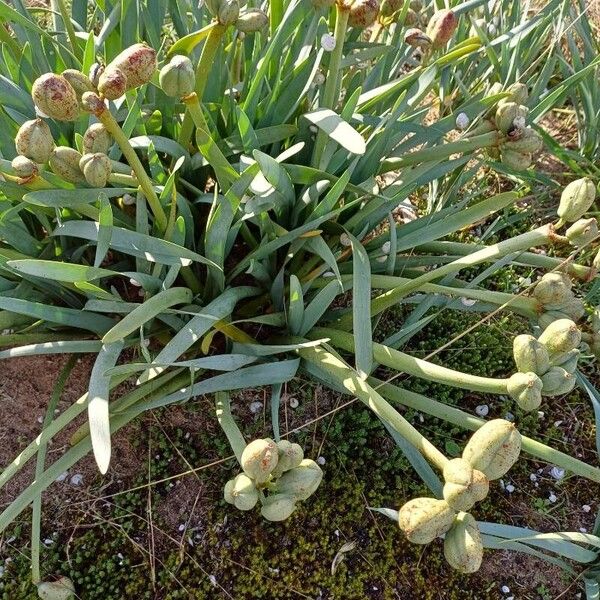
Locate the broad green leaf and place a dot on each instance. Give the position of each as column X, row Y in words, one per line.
column 337, row 129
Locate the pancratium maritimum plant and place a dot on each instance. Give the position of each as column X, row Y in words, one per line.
column 214, row 200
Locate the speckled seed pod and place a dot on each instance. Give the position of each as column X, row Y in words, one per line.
column 113, row 83
column 464, row 485
column 61, row 589
column 302, row 481
column 518, row 93
column 228, row 491
column 79, row 82
column 259, row 458
column 424, row 519
column 494, row 448
column 567, row 360
column 96, row 139
column 553, row 290
column 530, row 355
column 526, row 390
column 561, row 336
column 229, row 11
column 92, row 103
column 64, row 161
column 243, row 492
column 416, row 38
column 463, row 547
column 576, row 199
column 55, row 97
column 24, row 167
column 177, row 78
column 530, row 141
column 278, row 507
column 519, row 161
column 582, row 232
column 363, row 13
column 441, row 27
column 96, row 169
column 138, row 64
column 34, row 140
column 389, row 7
column 557, row 381
column 507, row 113
column 289, row 456
column 252, row 20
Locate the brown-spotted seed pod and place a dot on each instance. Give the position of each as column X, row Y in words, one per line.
column 561, row 336
column 464, row 485
column 441, row 27
column 290, row 455
column 34, row 140
column 463, row 547
column 363, row 13
column 416, row 38
column 424, row 519
column 526, row 389
column 113, row 83
column 96, row 169
column 92, row 103
column 24, row 167
column 55, row 97
column 302, row 481
column 96, row 139
column 259, row 459
column 64, row 161
column 138, row 64
column 79, row 82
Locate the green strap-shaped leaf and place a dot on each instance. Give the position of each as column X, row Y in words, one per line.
column 338, row 130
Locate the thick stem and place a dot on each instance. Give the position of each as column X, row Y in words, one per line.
column 228, row 424
column 331, row 93
column 463, row 419
column 349, row 379
column 209, row 50
column 106, row 118
column 405, row 363
column 66, row 17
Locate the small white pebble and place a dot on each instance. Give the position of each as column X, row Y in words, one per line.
column 128, row 200
column 345, row 240
column 135, row 282
column 48, row 542
column 462, row 121
column 557, row 473
column 491, row 29
column 586, row 508
column 557, row 423
column 329, row 274
column 541, row 414
column 77, row 479
column 482, row 410
column 62, row 476
column 467, row 301
column 213, row 580
column 328, row 42
column 321, row 460
column 319, row 78
column 141, row 293
column 40, row 419
column 533, row 477
column 386, row 247
column 510, row 488
column 255, row 407
column 509, row 416
column 293, row 402
column 505, row 589
column 583, row 530
column 552, row 497
column 181, row 527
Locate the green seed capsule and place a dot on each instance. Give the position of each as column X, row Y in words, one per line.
column 289, row 456
column 301, row 481
column 228, row 491
column 529, row 142
column 177, row 78
column 55, row 97
column 34, row 140
column 363, row 13
column 507, row 113
column 518, row 93
column 96, row 169
column 278, row 507
column 567, row 360
column 526, row 389
column 494, row 448
column 441, row 27
column 561, row 336
column 252, row 20
column 463, row 547
column 582, row 232
column 553, row 290
column 259, row 458
column 96, row 139
column 24, row 167
column 519, row 161
column 464, row 486
column 576, row 199
column 64, row 161
column 530, row 355
column 229, row 11
column 244, row 492
column 79, row 82
column 61, row 589
column 424, row 519
column 557, row 381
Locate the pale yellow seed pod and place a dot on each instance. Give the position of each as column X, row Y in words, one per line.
column 178, row 78
column 301, row 481
column 244, row 492
column 553, row 290
column 34, row 140
column 561, row 336
column 576, row 199
column 289, row 456
column 96, row 169
column 526, row 389
column 424, row 519
column 24, row 167
column 531, row 356
column 463, row 546
column 464, row 485
column 278, row 507
column 259, row 458
column 252, row 20
column 96, row 139
column 64, row 161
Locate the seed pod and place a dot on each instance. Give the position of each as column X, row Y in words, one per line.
column 92, row 103
column 177, row 78
column 228, row 491
column 416, row 38
column 526, row 389
column 561, row 336
column 463, row 548
column 138, row 63
column 553, row 289
column 529, row 142
column 229, row 11
column 530, row 355
column 519, row 161
column 363, row 13
column 259, row 458
column 34, row 140
column 557, row 381
column 24, row 167
column 518, row 93
column 289, row 456
column 567, row 360
column 64, row 161
column 96, row 139
column 463, row 485
column 494, row 448
column 549, row 317
column 61, row 589
column 243, row 492
column 94, row 75
column 252, row 20
column 574, row 309
column 507, row 113
column 278, row 507
column 55, row 97
column 96, row 169
column 79, row 82
column 576, row 199
column 582, row 232
column 301, row 481
column 113, row 83
column 441, row 27
column 424, row 519
column 389, row 8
